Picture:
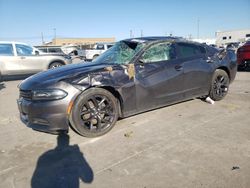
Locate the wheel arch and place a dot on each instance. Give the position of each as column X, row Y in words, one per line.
column 226, row 70
column 117, row 95
column 55, row 61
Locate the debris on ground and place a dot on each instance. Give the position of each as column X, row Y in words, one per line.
column 231, row 107
column 209, row 100
column 235, row 168
column 128, row 134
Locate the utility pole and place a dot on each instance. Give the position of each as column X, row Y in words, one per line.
column 55, row 35
column 131, row 34
column 42, row 38
column 198, row 28
column 141, row 33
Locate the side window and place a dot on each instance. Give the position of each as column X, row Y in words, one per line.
column 43, row 50
column 190, row 50
column 159, row 52
column 23, row 50
column 100, row 47
column 6, row 50
column 54, row 50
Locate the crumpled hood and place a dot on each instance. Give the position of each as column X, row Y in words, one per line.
column 51, row 77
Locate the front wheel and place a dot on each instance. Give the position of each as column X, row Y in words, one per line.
column 219, row 85
column 94, row 112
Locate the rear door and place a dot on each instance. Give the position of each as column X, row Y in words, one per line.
column 9, row 64
column 197, row 69
column 159, row 78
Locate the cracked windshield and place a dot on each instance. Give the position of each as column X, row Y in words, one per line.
column 121, row 53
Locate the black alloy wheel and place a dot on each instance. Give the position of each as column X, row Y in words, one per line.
column 94, row 113
column 220, row 85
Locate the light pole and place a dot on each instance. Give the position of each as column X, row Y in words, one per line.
column 55, row 35
column 42, row 38
column 198, row 28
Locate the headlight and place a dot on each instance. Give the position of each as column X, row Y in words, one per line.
column 48, row 94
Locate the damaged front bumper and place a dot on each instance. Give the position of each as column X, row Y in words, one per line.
column 49, row 116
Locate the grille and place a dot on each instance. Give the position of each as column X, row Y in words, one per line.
column 26, row 94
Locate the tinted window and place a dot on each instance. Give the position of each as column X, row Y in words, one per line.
column 189, row 50
column 100, row 47
column 43, row 49
column 159, row 52
column 54, row 50
column 6, row 50
column 224, row 38
column 247, row 35
column 23, row 50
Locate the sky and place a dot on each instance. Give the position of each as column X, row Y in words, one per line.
column 26, row 20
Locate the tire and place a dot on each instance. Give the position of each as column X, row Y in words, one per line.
column 55, row 65
column 219, row 85
column 94, row 112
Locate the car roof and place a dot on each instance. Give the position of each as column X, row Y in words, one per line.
column 158, row 38
column 162, row 38
column 13, row 42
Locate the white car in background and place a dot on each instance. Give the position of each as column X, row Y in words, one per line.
column 21, row 59
column 99, row 48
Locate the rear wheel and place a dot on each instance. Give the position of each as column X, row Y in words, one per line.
column 94, row 113
column 55, row 65
column 219, row 85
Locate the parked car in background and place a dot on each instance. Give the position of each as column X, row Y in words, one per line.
column 243, row 56
column 51, row 49
column 133, row 76
column 99, row 48
column 233, row 45
column 21, row 59
column 72, row 50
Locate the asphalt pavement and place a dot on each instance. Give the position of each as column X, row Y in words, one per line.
column 190, row 144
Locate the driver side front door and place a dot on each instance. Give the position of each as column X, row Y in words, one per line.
column 159, row 77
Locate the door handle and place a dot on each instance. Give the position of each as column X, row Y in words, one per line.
column 141, row 66
column 178, row 67
column 22, row 57
column 209, row 61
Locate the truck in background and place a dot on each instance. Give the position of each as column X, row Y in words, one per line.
column 99, row 48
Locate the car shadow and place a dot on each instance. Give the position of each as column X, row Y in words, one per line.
column 243, row 70
column 63, row 166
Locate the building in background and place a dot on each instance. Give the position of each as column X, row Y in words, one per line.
column 81, row 42
column 208, row 41
column 233, row 36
